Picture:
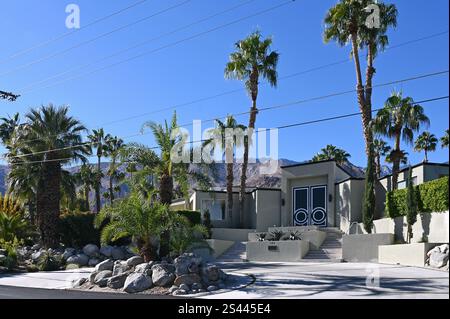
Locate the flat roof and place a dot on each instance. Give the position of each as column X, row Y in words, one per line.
column 417, row 165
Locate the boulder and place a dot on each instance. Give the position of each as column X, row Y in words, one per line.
column 186, row 263
column 211, row 273
column 35, row 256
column 172, row 289
column 117, row 253
column 188, row 279
column 101, row 279
column 36, row 247
column 93, row 262
column 117, row 282
column 72, row 266
column 2, row 251
column 105, row 265
column 196, row 286
column 78, row 259
column 137, row 282
column 133, row 261
column 3, row 270
column 92, row 276
column 184, row 287
column 2, row 258
column 179, row 292
column 144, row 268
column 120, row 267
column 438, row 259
column 211, row 288
column 78, row 283
column 162, row 276
column 68, row 252
column 91, row 250
column 106, row 250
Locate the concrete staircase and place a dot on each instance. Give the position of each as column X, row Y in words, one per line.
column 235, row 253
column 331, row 249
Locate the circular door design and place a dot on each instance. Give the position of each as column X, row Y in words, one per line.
column 318, row 216
column 301, row 217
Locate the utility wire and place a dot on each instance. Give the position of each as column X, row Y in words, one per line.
column 64, row 35
column 167, row 45
column 260, row 110
column 45, row 58
column 326, row 119
column 117, row 53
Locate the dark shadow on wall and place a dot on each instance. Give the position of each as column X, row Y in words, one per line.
column 425, row 218
column 398, row 229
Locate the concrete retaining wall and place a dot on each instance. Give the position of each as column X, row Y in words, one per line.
column 407, row 254
column 364, row 247
column 313, row 236
column 433, row 227
column 232, row 234
column 289, row 250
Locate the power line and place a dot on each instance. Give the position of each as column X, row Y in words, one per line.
column 247, row 112
column 326, row 119
column 168, row 45
column 64, row 35
column 117, row 53
column 21, row 67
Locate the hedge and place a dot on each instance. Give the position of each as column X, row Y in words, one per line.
column 431, row 197
column 77, row 229
column 193, row 216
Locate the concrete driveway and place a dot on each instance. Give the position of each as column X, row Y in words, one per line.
column 337, row 280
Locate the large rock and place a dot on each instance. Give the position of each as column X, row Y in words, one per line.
column 438, row 259
column 133, row 261
column 120, row 267
column 91, row 250
column 78, row 283
column 188, row 279
column 92, row 276
column 137, row 282
column 106, row 250
column 186, row 263
column 2, row 258
column 35, row 256
column 68, row 252
column 105, row 265
column 2, row 251
column 162, row 275
column 117, row 282
column 117, row 253
column 210, row 273
column 93, row 262
column 78, row 259
column 101, row 279
column 144, row 268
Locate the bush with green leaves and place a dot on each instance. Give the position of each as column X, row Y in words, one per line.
column 193, row 216
column 207, row 223
column 186, row 237
column 13, row 226
column 432, row 197
column 11, row 247
column 49, row 262
column 77, row 229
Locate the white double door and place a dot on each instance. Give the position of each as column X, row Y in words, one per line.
column 310, row 205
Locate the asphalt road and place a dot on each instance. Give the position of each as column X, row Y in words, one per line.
column 9, row 292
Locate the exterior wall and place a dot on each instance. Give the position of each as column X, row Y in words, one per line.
column 349, row 198
column 232, row 234
column 432, row 172
column 293, row 250
column 268, row 209
column 407, row 255
column 322, row 173
column 364, row 248
column 200, row 196
column 434, row 226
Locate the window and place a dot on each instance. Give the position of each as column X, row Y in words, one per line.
column 216, row 208
column 403, row 184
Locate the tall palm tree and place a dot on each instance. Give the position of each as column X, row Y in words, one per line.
column 87, row 178
column 331, row 152
column 251, row 61
column 113, row 147
column 56, row 137
column 399, row 119
column 98, row 140
column 8, row 126
column 346, row 22
column 426, row 142
column 445, row 140
column 381, row 149
column 227, row 141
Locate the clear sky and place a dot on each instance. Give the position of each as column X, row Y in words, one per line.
column 193, row 69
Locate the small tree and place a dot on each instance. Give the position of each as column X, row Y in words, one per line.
column 411, row 203
column 207, row 223
column 369, row 194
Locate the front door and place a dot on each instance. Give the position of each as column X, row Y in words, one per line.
column 310, row 206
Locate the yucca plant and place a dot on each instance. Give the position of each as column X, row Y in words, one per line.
column 49, row 262
column 12, row 226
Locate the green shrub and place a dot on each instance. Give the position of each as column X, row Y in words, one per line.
column 431, row 197
column 77, row 229
column 49, row 262
column 11, row 252
column 193, row 216
column 207, row 223
column 13, row 226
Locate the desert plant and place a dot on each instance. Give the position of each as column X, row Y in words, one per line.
column 194, row 217
column 49, row 262
column 187, row 237
column 294, row 235
column 331, row 152
column 77, row 229
column 411, row 204
column 12, row 226
column 11, row 247
column 426, row 142
column 445, row 139
column 207, row 222
column 276, row 235
column 261, row 236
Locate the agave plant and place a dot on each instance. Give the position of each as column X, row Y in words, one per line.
column 276, row 235
column 294, row 235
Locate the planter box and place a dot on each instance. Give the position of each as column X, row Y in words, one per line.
column 315, row 237
column 414, row 254
column 288, row 250
column 364, row 247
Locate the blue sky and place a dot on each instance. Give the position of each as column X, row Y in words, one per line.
column 194, row 69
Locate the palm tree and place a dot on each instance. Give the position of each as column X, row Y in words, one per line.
column 380, row 148
column 251, row 61
column 331, row 152
column 444, row 140
column 226, row 140
column 346, row 22
column 87, row 178
column 56, row 137
column 8, row 127
column 399, row 119
column 426, row 142
column 113, row 146
column 98, row 140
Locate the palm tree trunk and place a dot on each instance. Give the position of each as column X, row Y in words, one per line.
column 48, row 201
column 165, row 194
column 378, row 165
column 426, row 155
column 230, row 179
column 396, row 161
column 111, row 191
column 98, row 203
